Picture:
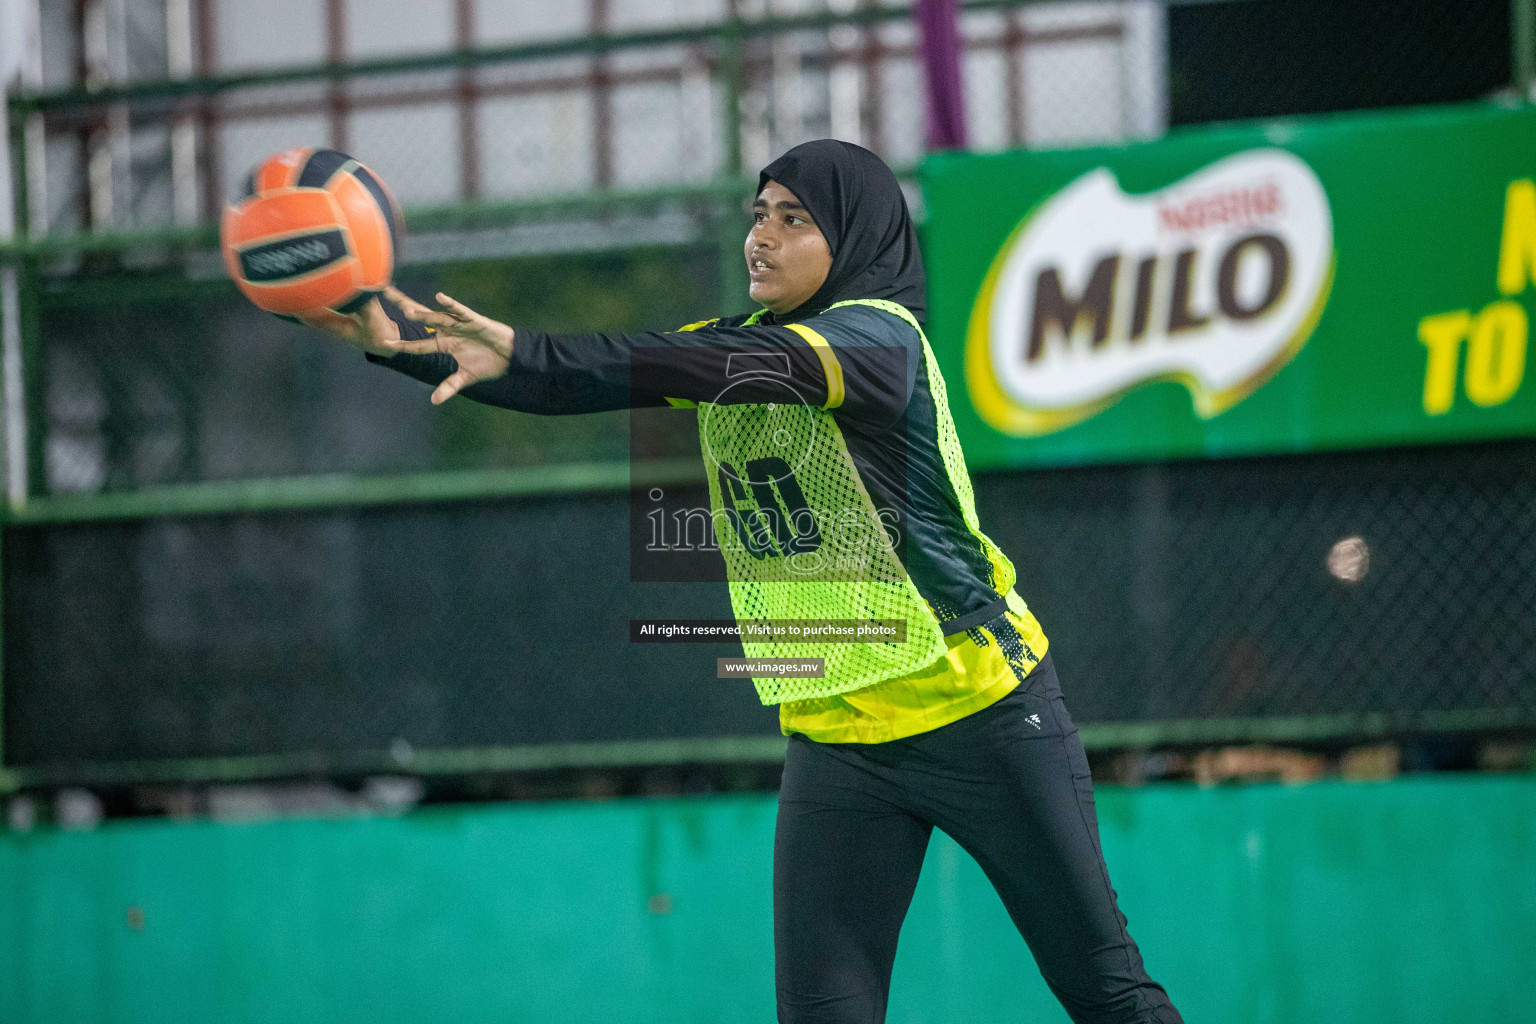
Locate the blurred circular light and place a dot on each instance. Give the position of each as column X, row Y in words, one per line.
column 1349, row 560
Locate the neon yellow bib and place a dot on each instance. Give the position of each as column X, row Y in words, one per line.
column 802, row 538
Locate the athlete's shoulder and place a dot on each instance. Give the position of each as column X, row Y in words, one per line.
column 858, row 324
column 878, row 352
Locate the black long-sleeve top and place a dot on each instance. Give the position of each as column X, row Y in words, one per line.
column 562, row 374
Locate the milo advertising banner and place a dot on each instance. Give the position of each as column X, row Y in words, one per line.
column 1340, row 282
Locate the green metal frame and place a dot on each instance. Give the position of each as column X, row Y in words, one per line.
column 732, row 33
column 291, row 494
column 423, row 220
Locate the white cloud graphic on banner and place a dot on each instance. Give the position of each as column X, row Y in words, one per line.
column 1215, row 281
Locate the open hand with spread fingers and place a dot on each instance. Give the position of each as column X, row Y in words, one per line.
column 481, row 346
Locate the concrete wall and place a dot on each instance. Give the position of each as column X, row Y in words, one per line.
column 1411, row 901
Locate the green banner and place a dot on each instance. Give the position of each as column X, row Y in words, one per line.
column 1337, row 282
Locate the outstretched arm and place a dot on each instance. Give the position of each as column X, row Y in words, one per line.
column 856, row 360
column 382, row 322
column 729, row 364
column 543, row 394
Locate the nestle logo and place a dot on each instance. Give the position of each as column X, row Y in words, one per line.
column 277, row 261
column 1233, row 207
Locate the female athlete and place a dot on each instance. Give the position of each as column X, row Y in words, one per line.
column 826, row 401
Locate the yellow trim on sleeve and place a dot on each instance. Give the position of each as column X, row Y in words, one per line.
column 829, row 364
column 682, row 403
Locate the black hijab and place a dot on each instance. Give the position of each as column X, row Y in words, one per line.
column 859, row 207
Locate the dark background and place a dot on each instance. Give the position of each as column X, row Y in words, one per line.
column 1196, row 589
column 1272, row 58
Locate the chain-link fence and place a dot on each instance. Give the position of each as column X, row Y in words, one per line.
column 1280, row 58
column 198, row 385
column 1360, row 592
column 154, row 116
column 145, row 368
column 1394, row 583
column 1371, row 592
column 146, row 113
column 470, row 625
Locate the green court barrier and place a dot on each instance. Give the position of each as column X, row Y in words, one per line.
column 1410, row 901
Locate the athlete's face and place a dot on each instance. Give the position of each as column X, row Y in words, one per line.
column 787, row 256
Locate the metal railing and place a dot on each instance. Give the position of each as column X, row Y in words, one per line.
column 173, row 98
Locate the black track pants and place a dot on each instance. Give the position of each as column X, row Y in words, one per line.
column 1010, row 784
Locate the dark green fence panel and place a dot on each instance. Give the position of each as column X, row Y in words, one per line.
column 1397, row 583
column 477, row 624
column 1363, row 593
